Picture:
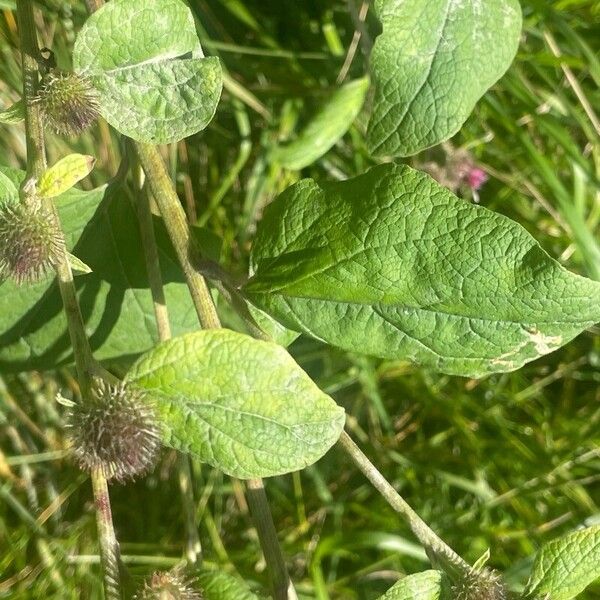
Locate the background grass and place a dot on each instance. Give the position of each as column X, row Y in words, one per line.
column 505, row 463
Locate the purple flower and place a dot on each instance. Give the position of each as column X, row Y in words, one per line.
column 476, row 177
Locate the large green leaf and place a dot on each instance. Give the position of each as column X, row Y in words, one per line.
column 101, row 230
column 218, row 585
column 421, row 586
column 326, row 128
column 566, row 566
column 145, row 60
column 432, row 63
column 239, row 404
column 393, row 265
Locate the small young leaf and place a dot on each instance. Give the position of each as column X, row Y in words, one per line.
column 275, row 330
column 432, row 63
column 393, row 265
column 421, row 586
column 239, row 404
column 13, row 114
column 78, row 266
column 153, row 83
column 326, row 128
column 218, row 585
column 65, row 174
column 565, row 567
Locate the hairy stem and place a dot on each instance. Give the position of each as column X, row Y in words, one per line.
column 438, row 551
column 36, row 165
column 110, row 556
column 283, row 588
column 174, row 217
column 175, row 221
column 34, row 131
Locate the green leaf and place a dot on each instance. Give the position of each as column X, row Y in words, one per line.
column 275, row 330
column 218, row 585
column 566, row 566
column 326, row 128
column 153, row 82
column 421, row 586
column 392, row 264
column 432, row 63
column 239, row 404
column 13, row 114
column 101, row 229
column 65, row 174
column 8, row 188
column 78, row 266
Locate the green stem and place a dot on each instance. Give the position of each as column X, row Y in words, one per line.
column 283, row 589
column 175, row 221
column 193, row 547
column 174, row 217
column 110, row 556
column 438, row 551
column 161, row 314
column 36, row 165
column 34, row 131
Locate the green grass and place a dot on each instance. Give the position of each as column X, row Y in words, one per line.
column 505, row 463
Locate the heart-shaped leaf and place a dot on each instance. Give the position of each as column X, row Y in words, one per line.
column 144, row 59
column 566, row 566
column 393, row 265
column 432, row 63
column 101, row 230
column 239, row 404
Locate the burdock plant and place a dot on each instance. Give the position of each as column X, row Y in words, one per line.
column 388, row 263
column 30, row 241
column 68, row 102
column 170, row 585
column 115, row 430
